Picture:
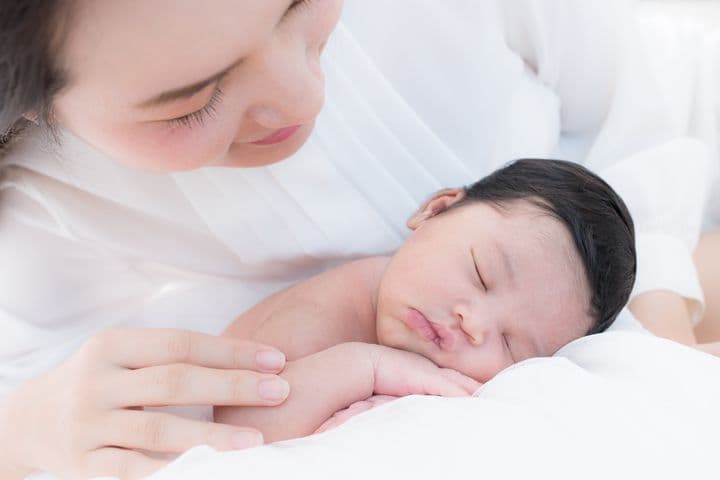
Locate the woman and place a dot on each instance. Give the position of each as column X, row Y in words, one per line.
column 122, row 222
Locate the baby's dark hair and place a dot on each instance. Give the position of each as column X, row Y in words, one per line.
column 594, row 214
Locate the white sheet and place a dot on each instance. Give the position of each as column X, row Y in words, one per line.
column 617, row 405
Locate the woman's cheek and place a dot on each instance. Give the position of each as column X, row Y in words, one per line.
column 320, row 28
column 165, row 147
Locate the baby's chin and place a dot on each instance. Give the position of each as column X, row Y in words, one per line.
column 385, row 331
column 395, row 338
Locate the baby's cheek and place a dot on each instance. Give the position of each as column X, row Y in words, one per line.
column 387, row 333
column 480, row 367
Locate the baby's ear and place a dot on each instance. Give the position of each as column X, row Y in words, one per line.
column 438, row 203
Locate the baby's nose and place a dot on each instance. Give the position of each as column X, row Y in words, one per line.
column 476, row 338
column 472, row 324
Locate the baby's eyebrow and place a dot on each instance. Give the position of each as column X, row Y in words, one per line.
column 508, row 266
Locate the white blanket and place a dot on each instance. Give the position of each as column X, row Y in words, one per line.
column 616, row 405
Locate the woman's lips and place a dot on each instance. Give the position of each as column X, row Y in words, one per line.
column 278, row 136
column 441, row 336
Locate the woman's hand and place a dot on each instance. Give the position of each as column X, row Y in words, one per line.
column 85, row 417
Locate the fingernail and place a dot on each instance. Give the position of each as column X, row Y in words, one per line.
column 274, row 389
column 240, row 440
column 270, row 360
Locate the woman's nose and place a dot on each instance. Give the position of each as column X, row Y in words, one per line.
column 472, row 323
column 292, row 88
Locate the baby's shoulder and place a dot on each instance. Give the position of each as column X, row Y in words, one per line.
column 368, row 270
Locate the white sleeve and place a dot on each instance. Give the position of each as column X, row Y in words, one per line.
column 55, row 292
column 654, row 149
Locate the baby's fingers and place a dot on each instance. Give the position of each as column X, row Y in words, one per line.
column 449, row 383
column 468, row 384
column 344, row 415
column 356, row 408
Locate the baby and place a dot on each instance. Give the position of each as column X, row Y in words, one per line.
column 529, row 258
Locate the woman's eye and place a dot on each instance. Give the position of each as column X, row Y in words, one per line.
column 198, row 118
column 296, row 5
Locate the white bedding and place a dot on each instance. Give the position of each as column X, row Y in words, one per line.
column 617, row 405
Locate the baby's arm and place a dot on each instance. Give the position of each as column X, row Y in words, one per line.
column 308, row 322
column 328, row 381
column 333, row 307
column 321, row 384
column 326, row 327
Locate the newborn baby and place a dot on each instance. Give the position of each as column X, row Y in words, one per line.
column 529, row 258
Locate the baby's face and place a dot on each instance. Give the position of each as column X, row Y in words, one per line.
column 477, row 289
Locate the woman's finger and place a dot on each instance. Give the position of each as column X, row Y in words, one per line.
column 182, row 384
column 163, row 432
column 120, row 463
column 138, row 348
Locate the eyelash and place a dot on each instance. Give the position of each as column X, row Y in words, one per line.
column 298, row 4
column 198, row 118
column 507, row 345
column 477, row 270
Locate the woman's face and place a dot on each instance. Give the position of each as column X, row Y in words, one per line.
column 179, row 84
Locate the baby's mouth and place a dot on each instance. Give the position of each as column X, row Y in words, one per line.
column 419, row 323
column 438, row 334
column 446, row 338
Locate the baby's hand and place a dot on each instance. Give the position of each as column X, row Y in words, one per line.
column 399, row 373
column 356, row 408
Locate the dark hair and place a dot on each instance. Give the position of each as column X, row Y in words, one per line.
column 595, row 215
column 29, row 74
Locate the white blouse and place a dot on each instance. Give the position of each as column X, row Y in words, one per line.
column 421, row 95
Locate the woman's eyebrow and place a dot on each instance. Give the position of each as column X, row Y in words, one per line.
column 190, row 90
column 183, row 92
